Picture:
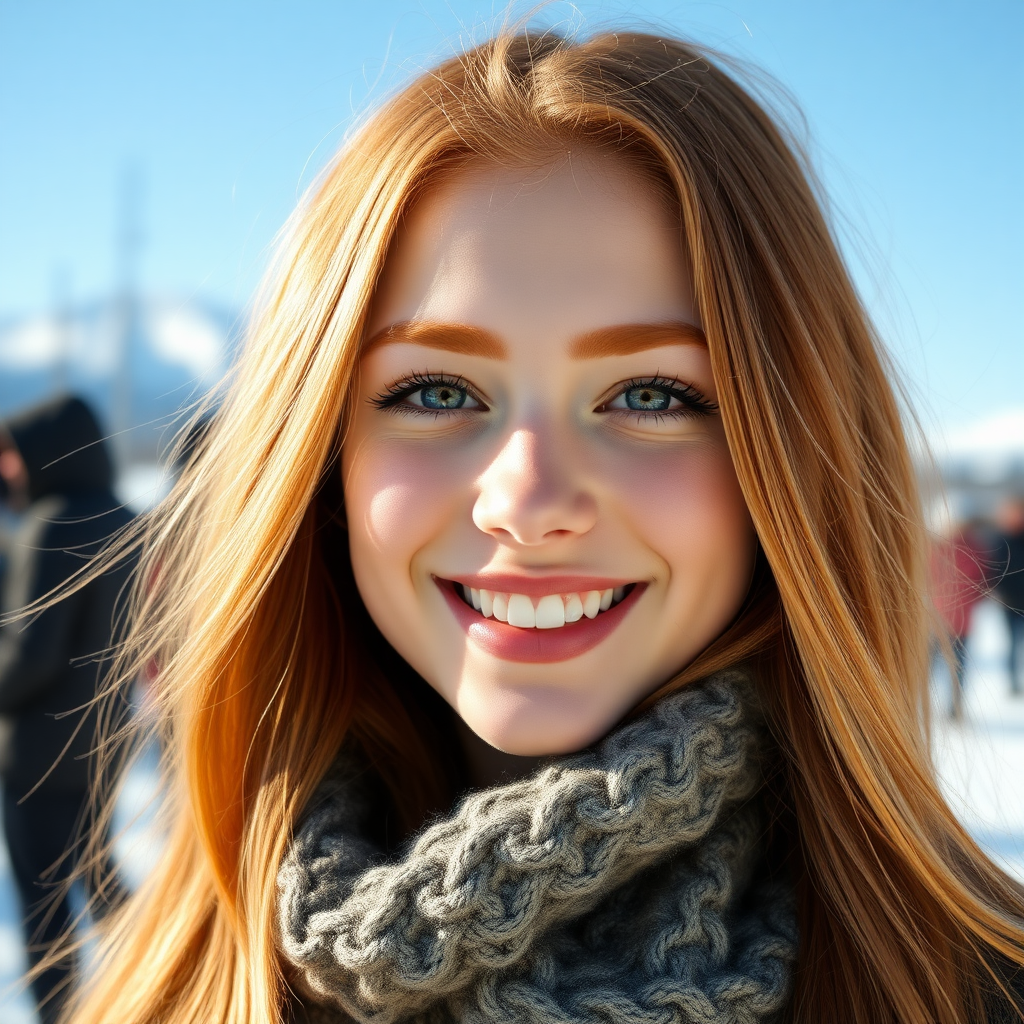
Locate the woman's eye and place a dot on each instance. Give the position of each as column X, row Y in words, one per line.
column 660, row 397
column 424, row 393
column 442, row 397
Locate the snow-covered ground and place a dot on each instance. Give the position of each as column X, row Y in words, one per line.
column 137, row 846
column 980, row 760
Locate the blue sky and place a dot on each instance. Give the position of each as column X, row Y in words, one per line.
column 226, row 110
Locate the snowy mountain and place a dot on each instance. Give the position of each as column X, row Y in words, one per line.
column 974, row 466
column 138, row 362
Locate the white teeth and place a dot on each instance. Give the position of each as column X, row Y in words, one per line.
column 520, row 611
column 550, row 612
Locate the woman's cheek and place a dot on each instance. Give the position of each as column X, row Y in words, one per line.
column 397, row 499
column 686, row 504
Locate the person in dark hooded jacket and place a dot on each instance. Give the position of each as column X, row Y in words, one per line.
column 56, row 462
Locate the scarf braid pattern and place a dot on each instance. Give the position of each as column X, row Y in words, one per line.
column 619, row 884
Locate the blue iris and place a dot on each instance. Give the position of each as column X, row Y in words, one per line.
column 646, row 399
column 442, row 396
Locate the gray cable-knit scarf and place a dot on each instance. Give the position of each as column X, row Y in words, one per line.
column 620, row 885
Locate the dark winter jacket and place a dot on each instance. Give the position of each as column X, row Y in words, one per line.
column 1009, row 576
column 48, row 664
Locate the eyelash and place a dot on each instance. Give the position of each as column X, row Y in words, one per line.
column 692, row 402
column 394, row 395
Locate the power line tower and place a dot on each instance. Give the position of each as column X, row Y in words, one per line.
column 62, row 327
column 128, row 314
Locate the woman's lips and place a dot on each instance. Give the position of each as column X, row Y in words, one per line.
column 538, row 646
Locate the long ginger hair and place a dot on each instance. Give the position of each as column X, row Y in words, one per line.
column 245, row 601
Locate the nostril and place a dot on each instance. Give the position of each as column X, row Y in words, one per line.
column 533, row 508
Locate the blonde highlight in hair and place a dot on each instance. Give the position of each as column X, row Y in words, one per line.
column 263, row 668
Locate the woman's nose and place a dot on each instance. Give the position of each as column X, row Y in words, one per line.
column 532, row 495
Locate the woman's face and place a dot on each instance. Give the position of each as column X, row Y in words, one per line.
column 535, row 433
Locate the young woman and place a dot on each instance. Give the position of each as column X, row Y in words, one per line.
column 540, row 630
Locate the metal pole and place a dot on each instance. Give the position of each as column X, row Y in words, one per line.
column 129, row 247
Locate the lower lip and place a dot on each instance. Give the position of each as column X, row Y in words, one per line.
column 539, row 646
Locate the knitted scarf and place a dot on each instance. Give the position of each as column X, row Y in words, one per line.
column 621, row 884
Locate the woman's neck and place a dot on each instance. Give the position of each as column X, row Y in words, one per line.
column 488, row 766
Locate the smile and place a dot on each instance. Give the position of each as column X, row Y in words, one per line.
column 559, row 618
column 550, row 611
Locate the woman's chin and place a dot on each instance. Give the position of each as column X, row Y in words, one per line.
column 535, row 723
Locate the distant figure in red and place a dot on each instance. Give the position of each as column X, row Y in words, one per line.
column 959, row 581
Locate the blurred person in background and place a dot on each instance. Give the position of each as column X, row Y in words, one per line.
column 1009, row 582
column 56, row 467
column 12, row 500
column 959, row 581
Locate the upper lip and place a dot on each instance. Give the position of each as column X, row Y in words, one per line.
column 539, row 586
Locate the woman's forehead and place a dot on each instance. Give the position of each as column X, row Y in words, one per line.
column 572, row 246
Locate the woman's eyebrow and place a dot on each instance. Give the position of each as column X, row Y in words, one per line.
column 618, row 340
column 625, row 339
column 460, row 338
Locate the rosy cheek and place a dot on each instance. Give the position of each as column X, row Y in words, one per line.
column 687, row 505
column 397, row 500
